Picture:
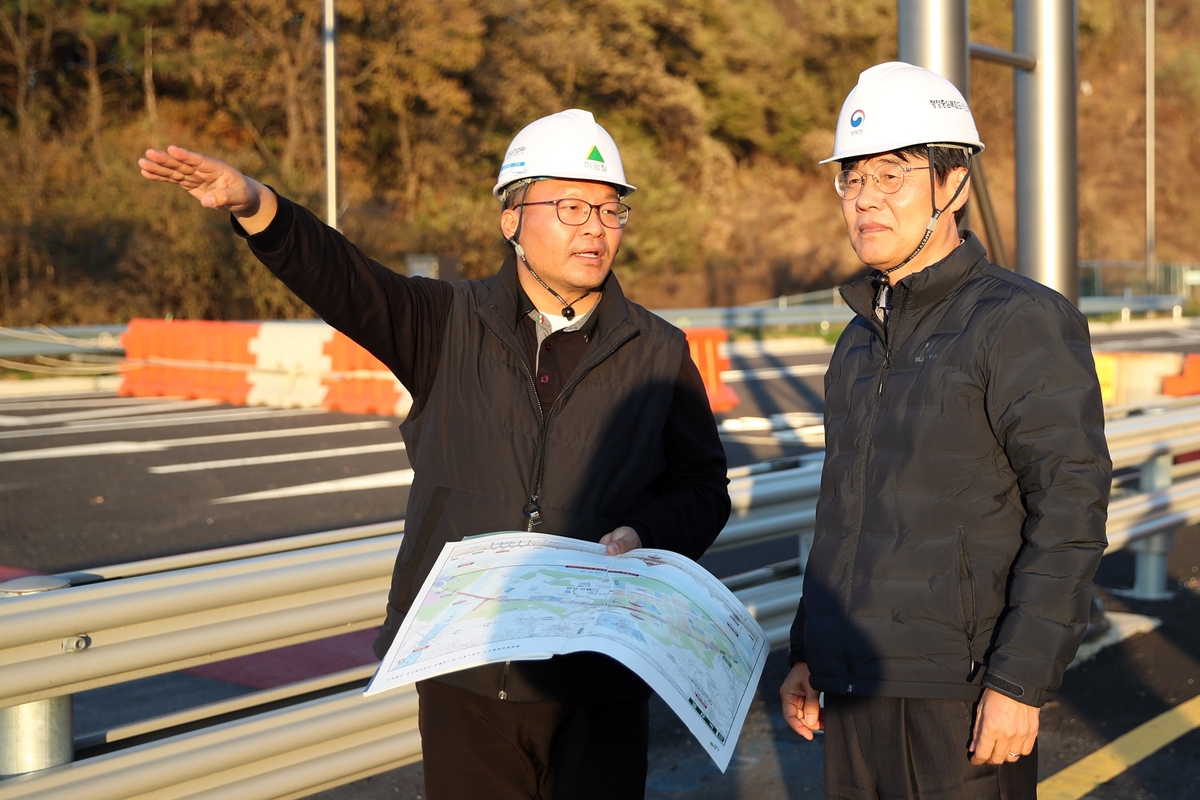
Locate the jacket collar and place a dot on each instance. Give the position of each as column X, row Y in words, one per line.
column 915, row 294
column 506, row 302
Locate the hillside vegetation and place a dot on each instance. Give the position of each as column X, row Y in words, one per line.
column 721, row 108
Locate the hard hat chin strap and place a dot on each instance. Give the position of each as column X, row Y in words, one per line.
column 567, row 311
column 937, row 212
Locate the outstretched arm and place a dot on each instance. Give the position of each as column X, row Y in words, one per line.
column 214, row 183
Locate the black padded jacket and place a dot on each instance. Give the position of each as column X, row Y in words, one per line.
column 964, row 494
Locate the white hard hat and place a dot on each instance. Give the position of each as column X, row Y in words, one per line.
column 896, row 105
column 567, row 145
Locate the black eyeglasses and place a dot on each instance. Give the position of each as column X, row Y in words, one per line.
column 573, row 211
column 888, row 179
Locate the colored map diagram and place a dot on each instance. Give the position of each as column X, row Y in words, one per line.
column 524, row 596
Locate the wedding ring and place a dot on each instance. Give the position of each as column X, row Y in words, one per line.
column 1015, row 755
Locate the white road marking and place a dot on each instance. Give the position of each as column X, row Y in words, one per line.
column 198, row 466
column 122, row 447
column 773, row 373
column 100, row 413
column 381, row 480
column 166, row 421
column 78, row 402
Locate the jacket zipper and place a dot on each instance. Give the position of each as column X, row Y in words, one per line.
column 540, row 464
column 862, row 474
column 970, row 621
column 532, row 509
column 503, row 693
column 533, row 512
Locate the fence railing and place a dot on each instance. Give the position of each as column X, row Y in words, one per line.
column 798, row 310
column 109, row 625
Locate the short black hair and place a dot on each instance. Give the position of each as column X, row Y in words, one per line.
column 945, row 159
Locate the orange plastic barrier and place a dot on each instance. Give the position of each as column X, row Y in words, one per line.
column 380, row 395
column 1186, row 383
column 704, row 345
column 222, row 345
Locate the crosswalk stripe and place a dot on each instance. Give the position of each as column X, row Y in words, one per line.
column 279, row 458
column 381, row 480
column 1100, row 767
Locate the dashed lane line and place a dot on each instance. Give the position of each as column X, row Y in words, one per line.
column 380, row 480
column 773, row 373
column 166, row 421
column 1100, row 767
column 157, row 446
column 279, row 458
column 10, row 421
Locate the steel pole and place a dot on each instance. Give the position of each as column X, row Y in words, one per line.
column 41, row 734
column 934, row 34
column 1047, row 144
column 1151, row 232
column 331, row 204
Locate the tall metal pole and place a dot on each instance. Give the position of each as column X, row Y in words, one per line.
column 1151, row 233
column 331, row 204
column 1047, row 144
column 934, row 34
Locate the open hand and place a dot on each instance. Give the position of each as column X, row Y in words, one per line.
column 213, row 182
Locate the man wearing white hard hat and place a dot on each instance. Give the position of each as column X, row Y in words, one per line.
column 966, row 478
column 543, row 400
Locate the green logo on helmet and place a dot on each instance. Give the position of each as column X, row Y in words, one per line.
column 595, row 155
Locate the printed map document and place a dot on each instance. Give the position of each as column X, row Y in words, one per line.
column 526, row 596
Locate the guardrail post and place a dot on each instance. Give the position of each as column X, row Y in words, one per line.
column 1150, row 575
column 37, row 735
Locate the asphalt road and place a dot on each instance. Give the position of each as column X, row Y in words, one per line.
column 92, row 480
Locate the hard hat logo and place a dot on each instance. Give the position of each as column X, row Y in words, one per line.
column 550, row 148
column 857, row 118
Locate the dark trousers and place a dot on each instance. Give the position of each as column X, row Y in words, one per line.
column 483, row 748
column 894, row 747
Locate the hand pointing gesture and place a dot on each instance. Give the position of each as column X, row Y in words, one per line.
column 214, row 183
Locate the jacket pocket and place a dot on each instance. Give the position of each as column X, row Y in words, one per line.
column 966, row 592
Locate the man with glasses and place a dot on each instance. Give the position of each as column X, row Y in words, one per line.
column 543, row 400
column 966, row 478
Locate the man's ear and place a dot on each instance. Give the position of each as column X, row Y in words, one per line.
column 508, row 223
column 956, row 176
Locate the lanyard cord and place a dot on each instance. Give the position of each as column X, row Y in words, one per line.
column 567, row 311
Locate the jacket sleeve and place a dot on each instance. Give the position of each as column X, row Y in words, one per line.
column 1043, row 401
column 691, row 503
column 399, row 320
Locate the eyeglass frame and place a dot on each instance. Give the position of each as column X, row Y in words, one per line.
column 621, row 207
column 904, row 170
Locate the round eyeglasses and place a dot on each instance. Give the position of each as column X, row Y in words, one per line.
column 888, row 179
column 573, row 211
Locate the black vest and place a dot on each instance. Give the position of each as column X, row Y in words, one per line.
column 480, row 452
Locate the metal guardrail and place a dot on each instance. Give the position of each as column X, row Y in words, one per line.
column 798, row 310
column 60, row 340
column 155, row 616
column 1132, row 302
